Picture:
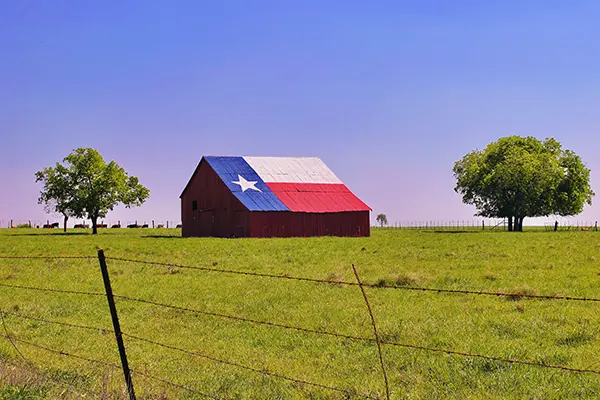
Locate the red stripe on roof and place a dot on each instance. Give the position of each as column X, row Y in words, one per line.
column 317, row 197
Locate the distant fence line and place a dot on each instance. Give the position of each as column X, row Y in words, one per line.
column 490, row 225
column 349, row 393
column 436, row 225
column 487, row 224
column 75, row 224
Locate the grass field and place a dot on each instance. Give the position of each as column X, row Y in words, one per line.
column 564, row 333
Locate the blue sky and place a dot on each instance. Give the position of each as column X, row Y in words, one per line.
column 389, row 94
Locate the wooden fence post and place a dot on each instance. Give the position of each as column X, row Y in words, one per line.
column 377, row 340
column 116, row 326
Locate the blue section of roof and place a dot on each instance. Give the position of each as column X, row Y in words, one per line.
column 233, row 169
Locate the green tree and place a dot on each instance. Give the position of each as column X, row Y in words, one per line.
column 90, row 187
column 518, row 177
column 56, row 195
column 382, row 219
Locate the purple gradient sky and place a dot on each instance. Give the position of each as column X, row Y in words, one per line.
column 389, row 95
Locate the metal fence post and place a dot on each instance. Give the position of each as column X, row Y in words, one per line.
column 116, row 326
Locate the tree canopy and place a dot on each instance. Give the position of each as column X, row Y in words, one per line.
column 518, row 177
column 382, row 219
column 85, row 186
column 56, row 195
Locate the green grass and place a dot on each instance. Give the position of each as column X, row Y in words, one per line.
column 536, row 262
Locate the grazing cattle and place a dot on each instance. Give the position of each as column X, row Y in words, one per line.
column 116, row 226
column 178, row 226
column 133, row 226
column 81, row 226
column 160, row 226
column 102, row 226
column 145, row 226
column 50, row 226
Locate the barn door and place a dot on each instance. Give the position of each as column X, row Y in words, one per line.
column 207, row 223
column 241, row 222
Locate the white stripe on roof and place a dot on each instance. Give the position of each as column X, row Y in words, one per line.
column 292, row 169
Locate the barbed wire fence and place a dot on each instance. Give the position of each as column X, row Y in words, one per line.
column 377, row 339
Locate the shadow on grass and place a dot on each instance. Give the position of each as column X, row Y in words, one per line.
column 55, row 234
column 161, row 237
column 453, row 231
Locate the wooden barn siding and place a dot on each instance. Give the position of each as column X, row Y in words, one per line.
column 290, row 224
column 219, row 212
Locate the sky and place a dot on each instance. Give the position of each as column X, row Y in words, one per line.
column 388, row 93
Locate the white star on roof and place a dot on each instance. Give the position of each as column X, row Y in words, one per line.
column 245, row 185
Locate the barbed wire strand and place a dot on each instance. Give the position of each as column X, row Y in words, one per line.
column 8, row 336
column 48, row 321
column 46, row 257
column 385, row 378
column 491, row 358
column 173, row 384
column 42, row 289
column 370, row 285
column 315, row 280
column 234, row 364
column 106, row 363
column 238, row 318
column 64, row 353
column 331, row 282
column 356, row 338
column 38, row 372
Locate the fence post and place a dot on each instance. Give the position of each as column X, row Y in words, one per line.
column 116, row 326
column 377, row 340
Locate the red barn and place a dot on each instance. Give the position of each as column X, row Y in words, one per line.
column 269, row 197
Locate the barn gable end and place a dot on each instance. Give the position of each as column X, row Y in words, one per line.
column 208, row 208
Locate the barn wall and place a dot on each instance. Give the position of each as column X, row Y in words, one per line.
column 219, row 212
column 289, row 224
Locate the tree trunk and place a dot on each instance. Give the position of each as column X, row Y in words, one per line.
column 510, row 223
column 94, row 224
column 66, row 218
column 519, row 224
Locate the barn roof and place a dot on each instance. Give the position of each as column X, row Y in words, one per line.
column 298, row 184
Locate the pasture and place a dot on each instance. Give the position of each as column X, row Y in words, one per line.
column 547, row 331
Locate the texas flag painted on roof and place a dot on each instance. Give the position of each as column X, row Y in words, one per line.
column 299, row 184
